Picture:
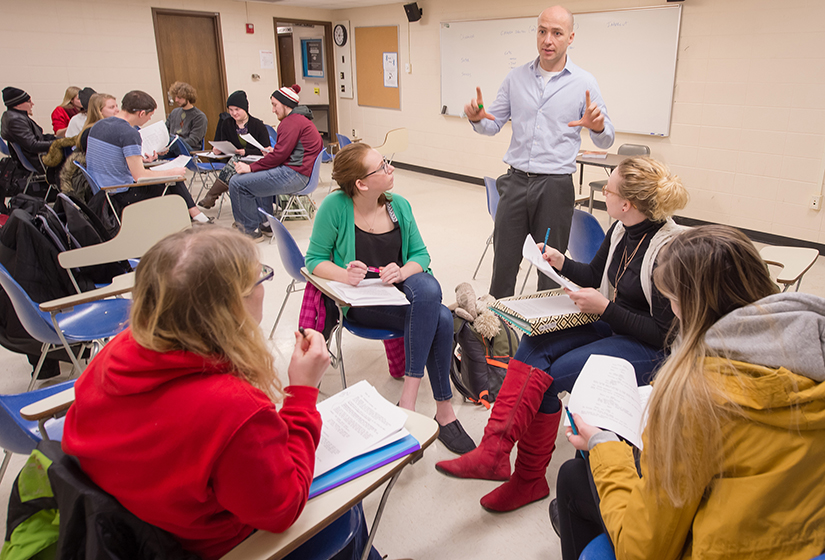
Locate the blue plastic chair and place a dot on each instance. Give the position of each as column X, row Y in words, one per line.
column 492, row 206
column 22, row 436
column 299, row 211
column 34, row 174
column 83, row 324
column 331, row 539
column 95, row 188
column 4, row 148
column 291, row 257
column 199, row 169
column 273, row 135
column 586, row 236
column 342, row 140
column 598, row 549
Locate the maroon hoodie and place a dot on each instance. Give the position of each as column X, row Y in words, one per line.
column 186, row 445
column 298, row 145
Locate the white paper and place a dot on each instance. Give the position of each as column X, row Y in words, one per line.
column 211, row 155
column 371, row 291
column 355, row 421
column 155, row 138
column 390, row 69
column 224, row 146
column 531, row 252
column 251, row 140
column 605, row 395
column 267, row 60
column 535, row 308
column 251, row 159
column 180, row 161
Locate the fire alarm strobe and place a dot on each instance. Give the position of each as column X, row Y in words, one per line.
column 250, row 28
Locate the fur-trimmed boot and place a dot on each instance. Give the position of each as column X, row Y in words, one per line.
column 218, row 188
column 528, row 482
column 514, row 409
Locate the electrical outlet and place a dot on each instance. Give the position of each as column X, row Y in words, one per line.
column 408, row 68
column 354, row 133
column 816, row 202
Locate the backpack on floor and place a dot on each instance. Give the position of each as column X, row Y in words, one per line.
column 479, row 364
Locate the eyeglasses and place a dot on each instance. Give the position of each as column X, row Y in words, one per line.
column 605, row 192
column 385, row 167
column 267, row 273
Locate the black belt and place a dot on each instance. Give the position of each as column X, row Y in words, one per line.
column 530, row 175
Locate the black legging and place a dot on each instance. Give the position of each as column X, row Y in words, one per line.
column 579, row 519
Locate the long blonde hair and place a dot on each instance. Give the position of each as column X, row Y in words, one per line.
column 71, row 93
column 96, row 103
column 189, row 295
column 651, row 187
column 708, row 272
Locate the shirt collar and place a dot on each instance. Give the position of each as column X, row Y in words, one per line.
column 568, row 66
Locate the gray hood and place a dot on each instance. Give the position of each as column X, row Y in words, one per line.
column 782, row 330
column 302, row 110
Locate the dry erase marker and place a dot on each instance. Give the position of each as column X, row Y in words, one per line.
column 481, row 106
column 572, row 423
column 373, row 269
column 546, row 237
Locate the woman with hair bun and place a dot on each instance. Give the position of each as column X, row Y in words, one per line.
column 635, row 319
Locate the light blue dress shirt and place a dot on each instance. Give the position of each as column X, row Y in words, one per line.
column 542, row 142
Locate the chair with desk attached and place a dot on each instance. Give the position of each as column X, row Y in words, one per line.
column 67, row 321
column 794, row 262
column 492, row 206
column 34, row 174
column 199, row 169
column 628, row 150
column 291, row 257
column 342, row 140
column 396, row 140
column 4, row 149
column 273, row 134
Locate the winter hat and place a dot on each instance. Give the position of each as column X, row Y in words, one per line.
column 85, row 94
column 13, row 96
column 288, row 95
column 238, row 99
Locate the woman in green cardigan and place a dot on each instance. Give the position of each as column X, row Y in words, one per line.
column 362, row 232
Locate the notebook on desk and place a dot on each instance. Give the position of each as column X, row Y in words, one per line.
column 542, row 312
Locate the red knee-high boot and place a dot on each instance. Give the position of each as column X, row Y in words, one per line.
column 528, row 482
column 514, row 409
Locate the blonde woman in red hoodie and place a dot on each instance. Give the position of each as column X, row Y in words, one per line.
column 176, row 417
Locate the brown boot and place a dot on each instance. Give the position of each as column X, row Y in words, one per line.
column 513, row 412
column 218, row 188
column 528, row 482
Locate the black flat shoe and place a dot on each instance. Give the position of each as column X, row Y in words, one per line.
column 455, row 438
column 554, row 516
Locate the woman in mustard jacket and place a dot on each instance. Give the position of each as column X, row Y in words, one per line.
column 734, row 446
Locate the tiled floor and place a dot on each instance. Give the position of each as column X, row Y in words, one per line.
column 429, row 516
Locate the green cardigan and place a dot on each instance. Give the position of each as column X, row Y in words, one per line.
column 333, row 235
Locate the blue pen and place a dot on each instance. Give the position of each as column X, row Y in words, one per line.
column 572, row 423
column 546, row 237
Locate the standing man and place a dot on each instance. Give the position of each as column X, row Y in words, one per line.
column 285, row 169
column 548, row 101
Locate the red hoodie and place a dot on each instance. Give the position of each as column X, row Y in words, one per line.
column 187, row 446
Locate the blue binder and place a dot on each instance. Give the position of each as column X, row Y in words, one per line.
column 363, row 464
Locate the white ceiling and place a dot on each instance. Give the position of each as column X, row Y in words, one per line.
column 329, row 4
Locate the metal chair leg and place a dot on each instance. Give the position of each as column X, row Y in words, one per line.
column 6, row 458
column 526, row 276
column 486, row 246
column 378, row 515
column 43, row 351
column 289, row 290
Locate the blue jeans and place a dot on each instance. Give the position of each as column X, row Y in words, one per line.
column 427, row 326
column 249, row 191
column 562, row 355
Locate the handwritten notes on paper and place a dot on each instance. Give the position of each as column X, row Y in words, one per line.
column 606, row 395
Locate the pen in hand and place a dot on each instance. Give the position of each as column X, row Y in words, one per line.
column 373, row 269
column 572, row 423
column 546, row 237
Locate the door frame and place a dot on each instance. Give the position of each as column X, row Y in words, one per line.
column 329, row 54
column 216, row 24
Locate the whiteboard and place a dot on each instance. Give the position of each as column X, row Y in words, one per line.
column 632, row 54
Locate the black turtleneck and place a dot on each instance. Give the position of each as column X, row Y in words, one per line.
column 630, row 313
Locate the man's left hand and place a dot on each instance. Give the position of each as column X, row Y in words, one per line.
column 592, row 119
column 242, row 167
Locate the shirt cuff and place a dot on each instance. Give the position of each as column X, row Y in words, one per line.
column 601, row 437
column 301, row 396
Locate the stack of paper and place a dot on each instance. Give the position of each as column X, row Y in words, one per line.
column 155, row 138
column 370, row 291
column 224, row 146
column 180, row 161
column 361, row 431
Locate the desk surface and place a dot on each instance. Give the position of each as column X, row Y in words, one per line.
column 323, row 286
column 612, row 160
column 120, row 285
column 322, row 510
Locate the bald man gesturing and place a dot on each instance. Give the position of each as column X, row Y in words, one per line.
column 548, row 100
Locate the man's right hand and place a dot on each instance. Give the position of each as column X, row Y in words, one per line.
column 475, row 109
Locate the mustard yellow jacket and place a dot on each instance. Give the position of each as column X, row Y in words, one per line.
column 768, row 500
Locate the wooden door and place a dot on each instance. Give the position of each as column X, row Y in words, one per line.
column 286, row 60
column 190, row 49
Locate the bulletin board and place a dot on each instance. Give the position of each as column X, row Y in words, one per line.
column 370, row 45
